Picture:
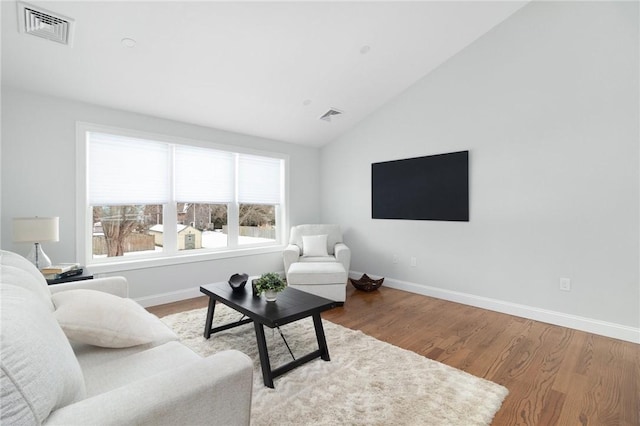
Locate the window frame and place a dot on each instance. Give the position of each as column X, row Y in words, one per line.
column 169, row 255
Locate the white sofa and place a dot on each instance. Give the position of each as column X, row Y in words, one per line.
column 46, row 379
column 317, row 261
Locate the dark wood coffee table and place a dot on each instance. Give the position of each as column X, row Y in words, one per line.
column 291, row 305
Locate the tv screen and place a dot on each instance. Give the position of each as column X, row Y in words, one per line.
column 435, row 187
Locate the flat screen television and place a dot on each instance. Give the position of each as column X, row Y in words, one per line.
column 435, row 187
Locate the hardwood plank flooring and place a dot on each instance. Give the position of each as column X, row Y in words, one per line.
column 555, row 375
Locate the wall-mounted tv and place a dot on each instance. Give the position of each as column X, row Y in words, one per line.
column 435, row 187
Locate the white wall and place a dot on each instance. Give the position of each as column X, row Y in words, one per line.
column 547, row 104
column 38, row 178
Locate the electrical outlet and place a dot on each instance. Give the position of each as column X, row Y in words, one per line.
column 565, row 284
column 413, row 261
column 396, row 259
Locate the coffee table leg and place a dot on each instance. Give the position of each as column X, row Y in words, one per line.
column 322, row 341
column 209, row 321
column 264, row 355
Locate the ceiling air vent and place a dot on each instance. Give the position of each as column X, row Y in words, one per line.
column 327, row 115
column 43, row 23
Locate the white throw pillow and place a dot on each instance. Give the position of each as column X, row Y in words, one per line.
column 314, row 245
column 102, row 319
column 15, row 269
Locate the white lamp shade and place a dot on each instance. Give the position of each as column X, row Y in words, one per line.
column 35, row 229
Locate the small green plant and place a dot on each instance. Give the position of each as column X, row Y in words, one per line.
column 270, row 281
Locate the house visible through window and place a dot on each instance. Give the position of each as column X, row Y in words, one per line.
column 202, row 226
column 150, row 198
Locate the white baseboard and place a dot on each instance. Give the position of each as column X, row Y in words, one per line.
column 603, row 328
column 173, row 296
column 590, row 325
column 176, row 296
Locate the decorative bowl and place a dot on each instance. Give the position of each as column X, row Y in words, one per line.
column 238, row 281
column 366, row 283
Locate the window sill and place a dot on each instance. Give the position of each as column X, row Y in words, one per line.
column 122, row 264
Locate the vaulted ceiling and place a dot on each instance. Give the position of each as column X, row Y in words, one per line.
column 269, row 69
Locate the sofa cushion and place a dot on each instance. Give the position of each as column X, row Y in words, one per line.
column 312, row 259
column 16, row 270
column 105, row 320
column 314, row 245
column 39, row 370
column 305, row 273
column 136, row 366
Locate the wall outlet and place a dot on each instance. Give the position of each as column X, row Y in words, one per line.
column 396, row 259
column 413, row 261
column 565, row 284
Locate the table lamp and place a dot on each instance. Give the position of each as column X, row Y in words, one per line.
column 36, row 230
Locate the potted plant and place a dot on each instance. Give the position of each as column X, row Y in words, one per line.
column 270, row 284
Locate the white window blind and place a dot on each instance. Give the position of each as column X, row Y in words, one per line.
column 203, row 175
column 124, row 170
column 259, row 179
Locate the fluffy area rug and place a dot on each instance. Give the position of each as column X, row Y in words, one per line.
column 367, row 381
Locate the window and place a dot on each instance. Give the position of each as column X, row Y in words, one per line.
column 150, row 197
column 258, row 198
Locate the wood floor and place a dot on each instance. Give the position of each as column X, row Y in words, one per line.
column 555, row 375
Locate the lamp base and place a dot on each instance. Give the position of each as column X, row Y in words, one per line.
column 38, row 258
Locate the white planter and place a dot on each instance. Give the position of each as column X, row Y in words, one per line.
column 270, row 295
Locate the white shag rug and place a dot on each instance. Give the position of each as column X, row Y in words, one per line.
column 367, row 381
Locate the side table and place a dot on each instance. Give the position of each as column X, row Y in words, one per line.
column 85, row 275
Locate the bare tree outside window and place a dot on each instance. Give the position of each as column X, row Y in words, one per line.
column 205, row 217
column 257, row 223
column 121, row 229
column 257, row 215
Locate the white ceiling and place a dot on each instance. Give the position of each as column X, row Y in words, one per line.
column 248, row 67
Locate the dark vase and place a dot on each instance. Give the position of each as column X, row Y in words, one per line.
column 238, row 281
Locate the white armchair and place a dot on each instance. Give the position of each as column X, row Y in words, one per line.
column 317, row 260
column 337, row 251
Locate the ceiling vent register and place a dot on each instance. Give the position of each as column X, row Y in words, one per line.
column 327, row 115
column 43, row 23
